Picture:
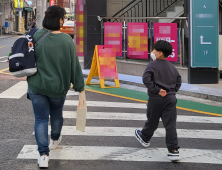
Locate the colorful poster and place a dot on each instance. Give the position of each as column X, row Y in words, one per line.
column 137, row 40
column 79, row 27
column 107, row 62
column 104, row 66
column 167, row 32
column 113, row 36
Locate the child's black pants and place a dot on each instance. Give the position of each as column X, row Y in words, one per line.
column 164, row 108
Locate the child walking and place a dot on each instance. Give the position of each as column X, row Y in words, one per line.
column 163, row 81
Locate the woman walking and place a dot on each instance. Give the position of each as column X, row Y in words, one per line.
column 57, row 66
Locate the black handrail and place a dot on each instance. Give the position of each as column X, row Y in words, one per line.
column 133, row 9
column 124, row 8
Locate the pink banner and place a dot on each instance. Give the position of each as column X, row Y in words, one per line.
column 113, row 36
column 107, row 62
column 167, row 32
column 137, row 40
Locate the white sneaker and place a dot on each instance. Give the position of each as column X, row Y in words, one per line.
column 174, row 155
column 54, row 143
column 43, row 161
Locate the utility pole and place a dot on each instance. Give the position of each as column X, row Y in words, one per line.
column 40, row 12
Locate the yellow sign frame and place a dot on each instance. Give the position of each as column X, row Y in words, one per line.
column 95, row 71
column 17, row 2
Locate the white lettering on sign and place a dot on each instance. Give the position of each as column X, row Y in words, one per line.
column 168, row 39
column 205, row 52
column 205, row 16
column 202, row 42
column 19, row 3
column 173, row 54
column 52, row 2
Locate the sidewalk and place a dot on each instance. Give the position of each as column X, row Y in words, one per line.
column 10, row 35
column 205, row 91
column 5, row 36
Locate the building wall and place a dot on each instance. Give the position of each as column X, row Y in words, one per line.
column 114, row 6
column 7, row 16
column 220, row 52
column 64, row 3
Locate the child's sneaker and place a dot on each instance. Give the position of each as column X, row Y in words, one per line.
column 43, row 161
column 140, row 138
column 54, row 143
column 173, row 155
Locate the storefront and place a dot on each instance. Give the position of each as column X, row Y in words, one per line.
column 28, row 14
column 6, row 19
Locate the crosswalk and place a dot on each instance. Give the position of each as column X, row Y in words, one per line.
column 116, row 113
column 20, row 89
column 123, row 154
column 3, row 59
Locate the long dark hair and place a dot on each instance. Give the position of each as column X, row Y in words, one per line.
column 52, row 17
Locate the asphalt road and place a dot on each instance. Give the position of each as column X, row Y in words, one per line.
column 109, row 142
column 5, row 49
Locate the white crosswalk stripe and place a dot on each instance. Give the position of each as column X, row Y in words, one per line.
column 107, row 104
column 16, row 91
column 141, row 116
column 20, row 89
column 3, row 59
column 128, row 131
column 123, row 154
column 117, row 153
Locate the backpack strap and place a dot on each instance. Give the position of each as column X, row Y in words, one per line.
column 43, row 37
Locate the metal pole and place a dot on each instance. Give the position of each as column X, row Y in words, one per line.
column 20, row 21
column 151, row 38
column 124, row 35
column 181, row 50
column 39, row 14
column 40, row 10
column 146, row 9
column 102, row 33
column 134, row 18
column 20, row 13
column 1, row 23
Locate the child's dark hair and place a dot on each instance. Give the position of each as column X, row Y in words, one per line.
column 52, row 17
column 163, row 46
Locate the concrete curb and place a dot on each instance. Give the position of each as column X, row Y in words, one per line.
column 182, row 92
column 10, row 35
column 201, row 95
column 4, row 37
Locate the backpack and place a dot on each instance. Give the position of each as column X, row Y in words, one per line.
column 22, row 58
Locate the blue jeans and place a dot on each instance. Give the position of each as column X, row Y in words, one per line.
column 43, row 106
